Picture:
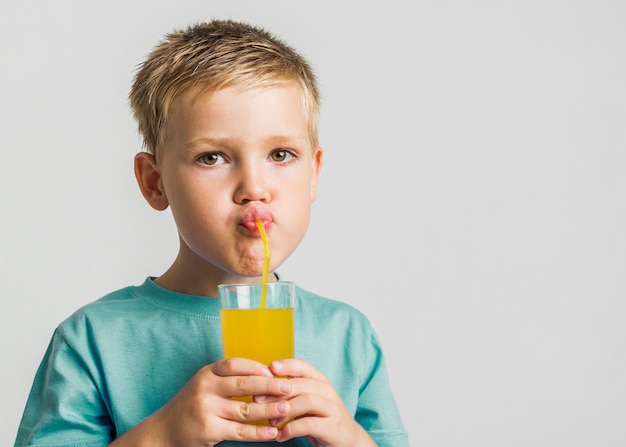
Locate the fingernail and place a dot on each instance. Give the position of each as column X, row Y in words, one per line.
column 284, row 386
column 260, row 398
column 272, row 431
column 281, row 407
column 267, row 372
column 277, row 366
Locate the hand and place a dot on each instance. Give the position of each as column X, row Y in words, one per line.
column 203, row 413
column 316, row 410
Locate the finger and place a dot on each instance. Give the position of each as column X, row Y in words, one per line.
column 240, row 386
column 240, row 367
column 266, row 398
column 304, row 378
column 306, row 426
column 237, row 431
column 310, row 406
column 310, row 426
column 250, row 411
column 295, row 368
column 284, row 387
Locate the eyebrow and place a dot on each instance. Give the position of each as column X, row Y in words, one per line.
column 276, row 140
column 280, row 140
column 212, row 141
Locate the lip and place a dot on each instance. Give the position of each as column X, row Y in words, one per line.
column 250, row 217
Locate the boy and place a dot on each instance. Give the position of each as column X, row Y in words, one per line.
column 228, row 114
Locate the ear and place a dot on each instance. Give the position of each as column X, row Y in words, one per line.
column 149, row 180
column 316, row 166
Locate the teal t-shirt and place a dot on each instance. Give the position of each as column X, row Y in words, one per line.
column 119, row 359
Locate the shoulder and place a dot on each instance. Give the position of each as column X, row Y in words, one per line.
column 331, row 322
column 323, row 307
column 105, row 311
column 120, row 298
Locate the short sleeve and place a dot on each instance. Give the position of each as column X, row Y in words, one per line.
column 65, row 406
column 377, row 411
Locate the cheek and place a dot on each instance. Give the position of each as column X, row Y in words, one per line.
column 301, row 214
column 306, row 185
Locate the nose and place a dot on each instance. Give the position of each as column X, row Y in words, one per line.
column 252, row 184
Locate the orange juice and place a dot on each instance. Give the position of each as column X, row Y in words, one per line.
column 263, row 335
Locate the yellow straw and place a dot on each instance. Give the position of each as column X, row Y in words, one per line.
column 266, row 262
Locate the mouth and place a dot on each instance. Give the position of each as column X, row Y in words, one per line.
column 250, row 218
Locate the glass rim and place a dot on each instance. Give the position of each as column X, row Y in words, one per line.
column 255, row 284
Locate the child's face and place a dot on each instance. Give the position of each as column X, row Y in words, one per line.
column 230, row 158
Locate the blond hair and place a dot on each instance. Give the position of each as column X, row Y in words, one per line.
column 213, row 56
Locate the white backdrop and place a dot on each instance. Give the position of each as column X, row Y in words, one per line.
column 472, row 202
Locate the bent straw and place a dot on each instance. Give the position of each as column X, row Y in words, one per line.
column 266, row 262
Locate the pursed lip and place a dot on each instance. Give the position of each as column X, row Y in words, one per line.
column 252, row 215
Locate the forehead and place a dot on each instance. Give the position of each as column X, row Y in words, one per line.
column 199, row 98
column 189, row 97
column 235, row 112
column 238, row 86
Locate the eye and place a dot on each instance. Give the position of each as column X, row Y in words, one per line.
column 282, row 155
column 211, row 159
